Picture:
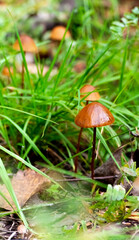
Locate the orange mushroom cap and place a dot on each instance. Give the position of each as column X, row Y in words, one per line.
column 94, row 115
column 6, row 72
column 28, row 44
column 93, row 96
column 57, row 33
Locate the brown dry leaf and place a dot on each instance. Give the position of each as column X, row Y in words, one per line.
column 25, row 184
column 134, row 216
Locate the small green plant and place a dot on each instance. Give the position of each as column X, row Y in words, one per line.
column 114, row 205
column 129, row 20
column 52, row 193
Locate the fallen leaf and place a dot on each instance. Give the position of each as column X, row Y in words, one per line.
column 25, row 184
column 134, row 216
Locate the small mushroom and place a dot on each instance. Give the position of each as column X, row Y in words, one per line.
column 94, row 115
column 86, row 89
column 7, row 72
column 93, row 96
column 28, row 45
column 57, row 33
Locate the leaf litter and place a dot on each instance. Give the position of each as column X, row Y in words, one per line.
column 25, row 184
column 63, row 214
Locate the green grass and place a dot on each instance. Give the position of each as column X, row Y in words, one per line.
column 41, row 116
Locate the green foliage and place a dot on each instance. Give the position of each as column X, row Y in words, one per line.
column 39, row 119
column 114, row 203
column 129, row 19
column 115, row 193
column 52, row 193
column 77, row 22
column 130, row 170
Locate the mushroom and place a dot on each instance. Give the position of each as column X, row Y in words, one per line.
column 7, row 72
column 94, row 115
column 28, row 45
column 93, row 96
column 57, row 33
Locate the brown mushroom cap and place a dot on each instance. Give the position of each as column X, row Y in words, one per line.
column 93, row 96
column 6, row 72
column 57, row 33
column 94, row 115
column 28, row 44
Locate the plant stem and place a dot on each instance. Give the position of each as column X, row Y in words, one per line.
column 22, row 83
column 98, row 146
column 93, row 154
column 78, row 147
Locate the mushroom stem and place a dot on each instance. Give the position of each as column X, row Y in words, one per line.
column 78, row 147
column 93, row 154
column 22, row 83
